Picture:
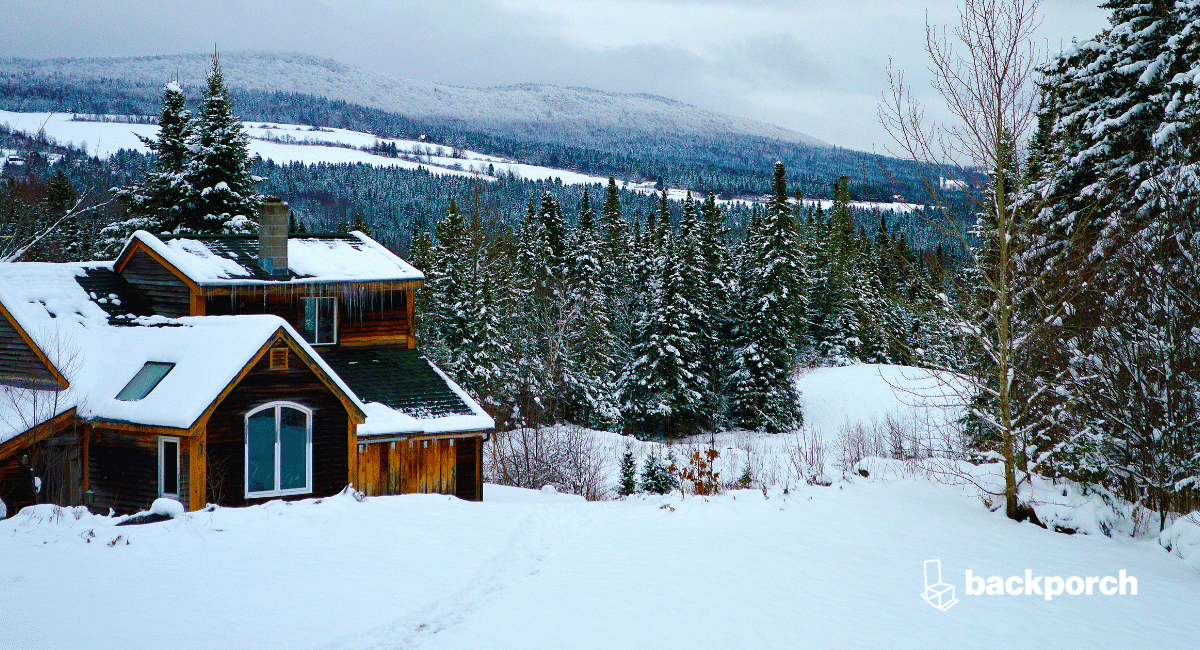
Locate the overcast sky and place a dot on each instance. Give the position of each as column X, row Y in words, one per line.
column 816, row 66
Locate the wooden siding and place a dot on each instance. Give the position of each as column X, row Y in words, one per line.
column 225, row 431
column 19, row 363
column 423, row 465
column 381, row 319
column 122, row 471
column 166, row 293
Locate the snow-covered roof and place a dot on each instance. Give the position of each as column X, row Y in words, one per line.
column 312, row 259
column 468, row 416
column 99, row 353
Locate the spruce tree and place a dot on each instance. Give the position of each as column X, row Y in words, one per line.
column 159, row 201
column 763, row 395
column 589, row 377
column 217, row 176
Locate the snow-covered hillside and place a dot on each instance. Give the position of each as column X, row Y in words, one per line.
column 839, row 566
column 573, row 113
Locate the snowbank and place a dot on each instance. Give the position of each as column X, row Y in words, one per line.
column 1182, row 539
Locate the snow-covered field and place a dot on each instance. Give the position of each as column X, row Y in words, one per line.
column 831, row 567
column 288, row 143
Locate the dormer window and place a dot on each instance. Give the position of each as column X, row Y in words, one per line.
column 318, row 320
column 144, row 381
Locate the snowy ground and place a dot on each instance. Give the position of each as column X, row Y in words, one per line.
column 837, row 567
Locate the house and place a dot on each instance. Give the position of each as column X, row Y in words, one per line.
column 228, row 370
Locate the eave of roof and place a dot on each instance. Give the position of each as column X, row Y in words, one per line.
column 216, row 262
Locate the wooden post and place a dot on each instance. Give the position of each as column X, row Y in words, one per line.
column 198, row 304
column 198, row 468
column 85, row 462
column 409, row 297
column 352, row 456
column 479, row 469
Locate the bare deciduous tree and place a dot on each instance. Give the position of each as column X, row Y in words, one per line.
column 984, row 68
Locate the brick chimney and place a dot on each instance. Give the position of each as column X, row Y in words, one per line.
column 273, row 236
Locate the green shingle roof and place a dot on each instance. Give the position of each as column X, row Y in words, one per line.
column 401, row 379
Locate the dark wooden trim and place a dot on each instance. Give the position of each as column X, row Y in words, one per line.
column 58, row 378
column 136, row 429
column 36, row 434
column 410, row 298
column 394, row 437
column 352, row 445
column 198, row 470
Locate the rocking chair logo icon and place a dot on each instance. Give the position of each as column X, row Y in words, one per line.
column 937, row 593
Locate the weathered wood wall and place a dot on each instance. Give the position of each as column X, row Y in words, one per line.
column 424, row 465
column 16, row 484
column 167, row 294
column 379, row 319
column 122, row 470
column 226, row 449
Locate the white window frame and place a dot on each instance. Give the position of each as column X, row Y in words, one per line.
column 317, row 327
column 308, row 451
column 178, row 479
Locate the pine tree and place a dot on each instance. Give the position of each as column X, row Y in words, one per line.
column 717, row 273
column 360, row 225
column 656, row 479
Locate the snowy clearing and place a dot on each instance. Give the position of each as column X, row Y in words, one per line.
column 839, row 566
column 836, row 567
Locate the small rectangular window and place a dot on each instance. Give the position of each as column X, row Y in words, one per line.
column 168, row 467
column 318, row 322
column 279, row 359
column 144, row 381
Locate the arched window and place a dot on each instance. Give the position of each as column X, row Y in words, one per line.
column 278, row 450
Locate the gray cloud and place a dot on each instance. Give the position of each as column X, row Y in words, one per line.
column 814, row 66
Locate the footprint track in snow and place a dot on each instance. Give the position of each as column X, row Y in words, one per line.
column 521, row 558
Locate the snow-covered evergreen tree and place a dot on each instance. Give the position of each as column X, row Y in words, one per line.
column 217, row 176
column 590, row 390
column 773, row 308
column 159, row 201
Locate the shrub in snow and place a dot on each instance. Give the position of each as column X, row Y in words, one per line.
column 1182, row 539
column 628, row 474
column 167, row 508
column 805, row 455
column 657, row 477
column 572, row 459
column 698, row 475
